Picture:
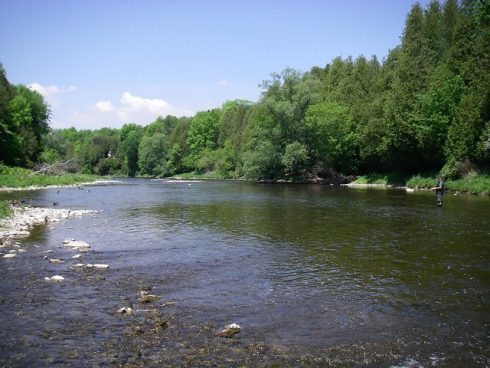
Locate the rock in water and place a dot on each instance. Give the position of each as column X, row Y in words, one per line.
column 148, row 298
column 230, row 330
column 55, row 278
column 56, row 260
column 76, row 244
column 10, row 255
column 125, row 310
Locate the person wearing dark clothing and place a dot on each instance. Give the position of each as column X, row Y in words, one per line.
column 439, row 189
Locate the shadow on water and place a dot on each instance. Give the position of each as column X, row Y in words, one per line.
column 315, row 275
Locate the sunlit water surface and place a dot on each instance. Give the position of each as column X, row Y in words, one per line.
column 300, row 266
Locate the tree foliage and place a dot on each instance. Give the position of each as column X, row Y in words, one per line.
column 425, row 107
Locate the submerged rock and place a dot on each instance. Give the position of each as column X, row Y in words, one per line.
column 56, row 260
column 76, row 244
column 55, row 278
column 145, row 297
column 230, row 331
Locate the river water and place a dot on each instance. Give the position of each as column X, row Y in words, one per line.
column 314, row 275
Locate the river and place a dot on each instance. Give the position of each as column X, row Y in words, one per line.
column 314, row 275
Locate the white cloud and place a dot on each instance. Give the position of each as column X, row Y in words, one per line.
column 48, row 91
column 223, row 82
column 131, row 108
column 104, row 106
column 51, row 93
column 135, row 103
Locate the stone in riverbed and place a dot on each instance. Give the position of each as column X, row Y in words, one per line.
column 77, row 256
column 230, row 331
column 76, row 244
column 125, row 310
column 56, row 260
column 55, row 278
column 100, row 266
column 10, row 255
column 145, row 297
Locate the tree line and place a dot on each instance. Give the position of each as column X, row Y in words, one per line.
column 425, row 107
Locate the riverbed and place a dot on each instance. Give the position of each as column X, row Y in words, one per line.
column 314, row 275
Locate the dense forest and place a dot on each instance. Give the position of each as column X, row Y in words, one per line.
column 424, row 108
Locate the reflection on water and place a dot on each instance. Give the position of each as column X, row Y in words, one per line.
column 300, row 266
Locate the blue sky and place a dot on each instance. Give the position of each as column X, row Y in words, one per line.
column 106, row 62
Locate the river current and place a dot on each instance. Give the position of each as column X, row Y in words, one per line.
column 322, row 272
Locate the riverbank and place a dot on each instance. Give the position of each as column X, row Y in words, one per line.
column 473, row 183
column 17, row 178
column 20, row 219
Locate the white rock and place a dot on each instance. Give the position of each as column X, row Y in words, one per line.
column 10, row 255
column 77, row 256
column 55, row 278
column 101, row 266
column 125, row 310
column 22, row 251
column 76, row 244
column 56, row 260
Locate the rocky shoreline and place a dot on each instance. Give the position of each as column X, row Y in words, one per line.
column 23, row 218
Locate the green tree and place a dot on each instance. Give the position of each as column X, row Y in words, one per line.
column 152, row 155
column 286, row 99
column 331, row 135
column 131, row 135
column 30, row 117
column 203, row 132
column 295, row 159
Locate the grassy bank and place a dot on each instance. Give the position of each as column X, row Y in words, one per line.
column 15, row 177
column 473, row 183
column 4, row 209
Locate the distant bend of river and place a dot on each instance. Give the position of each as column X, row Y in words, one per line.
column 301, row 267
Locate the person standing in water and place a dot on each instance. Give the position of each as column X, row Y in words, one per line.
column 439, row 189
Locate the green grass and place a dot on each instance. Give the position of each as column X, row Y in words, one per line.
column 473, row 183
column 16, row 177
column 4, row 209
column 371, row 179
column 383, row 179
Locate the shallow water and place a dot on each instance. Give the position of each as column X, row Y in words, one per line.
column 315, row 274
